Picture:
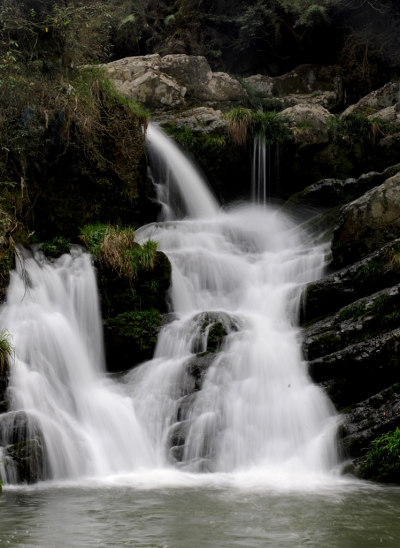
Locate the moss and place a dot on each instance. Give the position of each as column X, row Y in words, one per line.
column 352, row 312
column 325, row 344
column 382, row 460
column 141, row 327
column 197, row 142
column 216, row 335
column 55, row 247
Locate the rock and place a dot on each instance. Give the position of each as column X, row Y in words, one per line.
column 386, row 96
column 306, row 84
column 23, row 448
column 368, row 223
column 329, row 193
column 222, row 88
column 360, row 321
column 204, row 119
column 162, row 83
column 153, row 90
column 388, row 114
column 309, row 124
column 375, row 272
column 188, row 70
column 359, row 370
column 370, row 418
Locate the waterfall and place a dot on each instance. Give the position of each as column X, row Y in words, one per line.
column 260, row 170
column 177, row 180
column 88, row 426
column 256, row 406
column 264, row 170
column 244, row 404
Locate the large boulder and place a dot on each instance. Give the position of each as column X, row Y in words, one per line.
column 368, row 222
column 192, row 70
column 153, row 90
column 162, row 83
column 309, row 124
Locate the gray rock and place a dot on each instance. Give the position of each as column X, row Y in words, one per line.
column 309, row 124
column 377, row 100
column 368, row 222
column 373, row 273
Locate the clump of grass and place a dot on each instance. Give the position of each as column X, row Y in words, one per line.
column 116, row 251
column 6, row 351
column 382, row 460
column 244, row 123
column 239, row 122
column 116, row 248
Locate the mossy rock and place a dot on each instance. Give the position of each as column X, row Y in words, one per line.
column 55, row 247
column 131, row 338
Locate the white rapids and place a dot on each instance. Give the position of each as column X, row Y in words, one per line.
column 256, row 410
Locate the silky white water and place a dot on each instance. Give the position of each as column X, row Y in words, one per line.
column 58, row 374
column 256, row 414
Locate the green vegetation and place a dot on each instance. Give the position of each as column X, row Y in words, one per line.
column 197, row 142
column 244, row 123
column 382, row 460
column 6, row 351
column 55, row 247
column 140, row 326
column 369, row 272
column 116, row 248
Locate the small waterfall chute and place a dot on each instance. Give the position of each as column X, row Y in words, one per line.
column 183, row 191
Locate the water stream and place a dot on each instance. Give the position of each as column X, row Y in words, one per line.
column 150, row 459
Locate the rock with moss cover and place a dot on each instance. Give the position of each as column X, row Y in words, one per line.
column 23, row 448
column 130, row 338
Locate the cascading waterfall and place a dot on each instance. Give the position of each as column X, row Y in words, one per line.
column 86, row 424
column 248, row 406
column 256, row 406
